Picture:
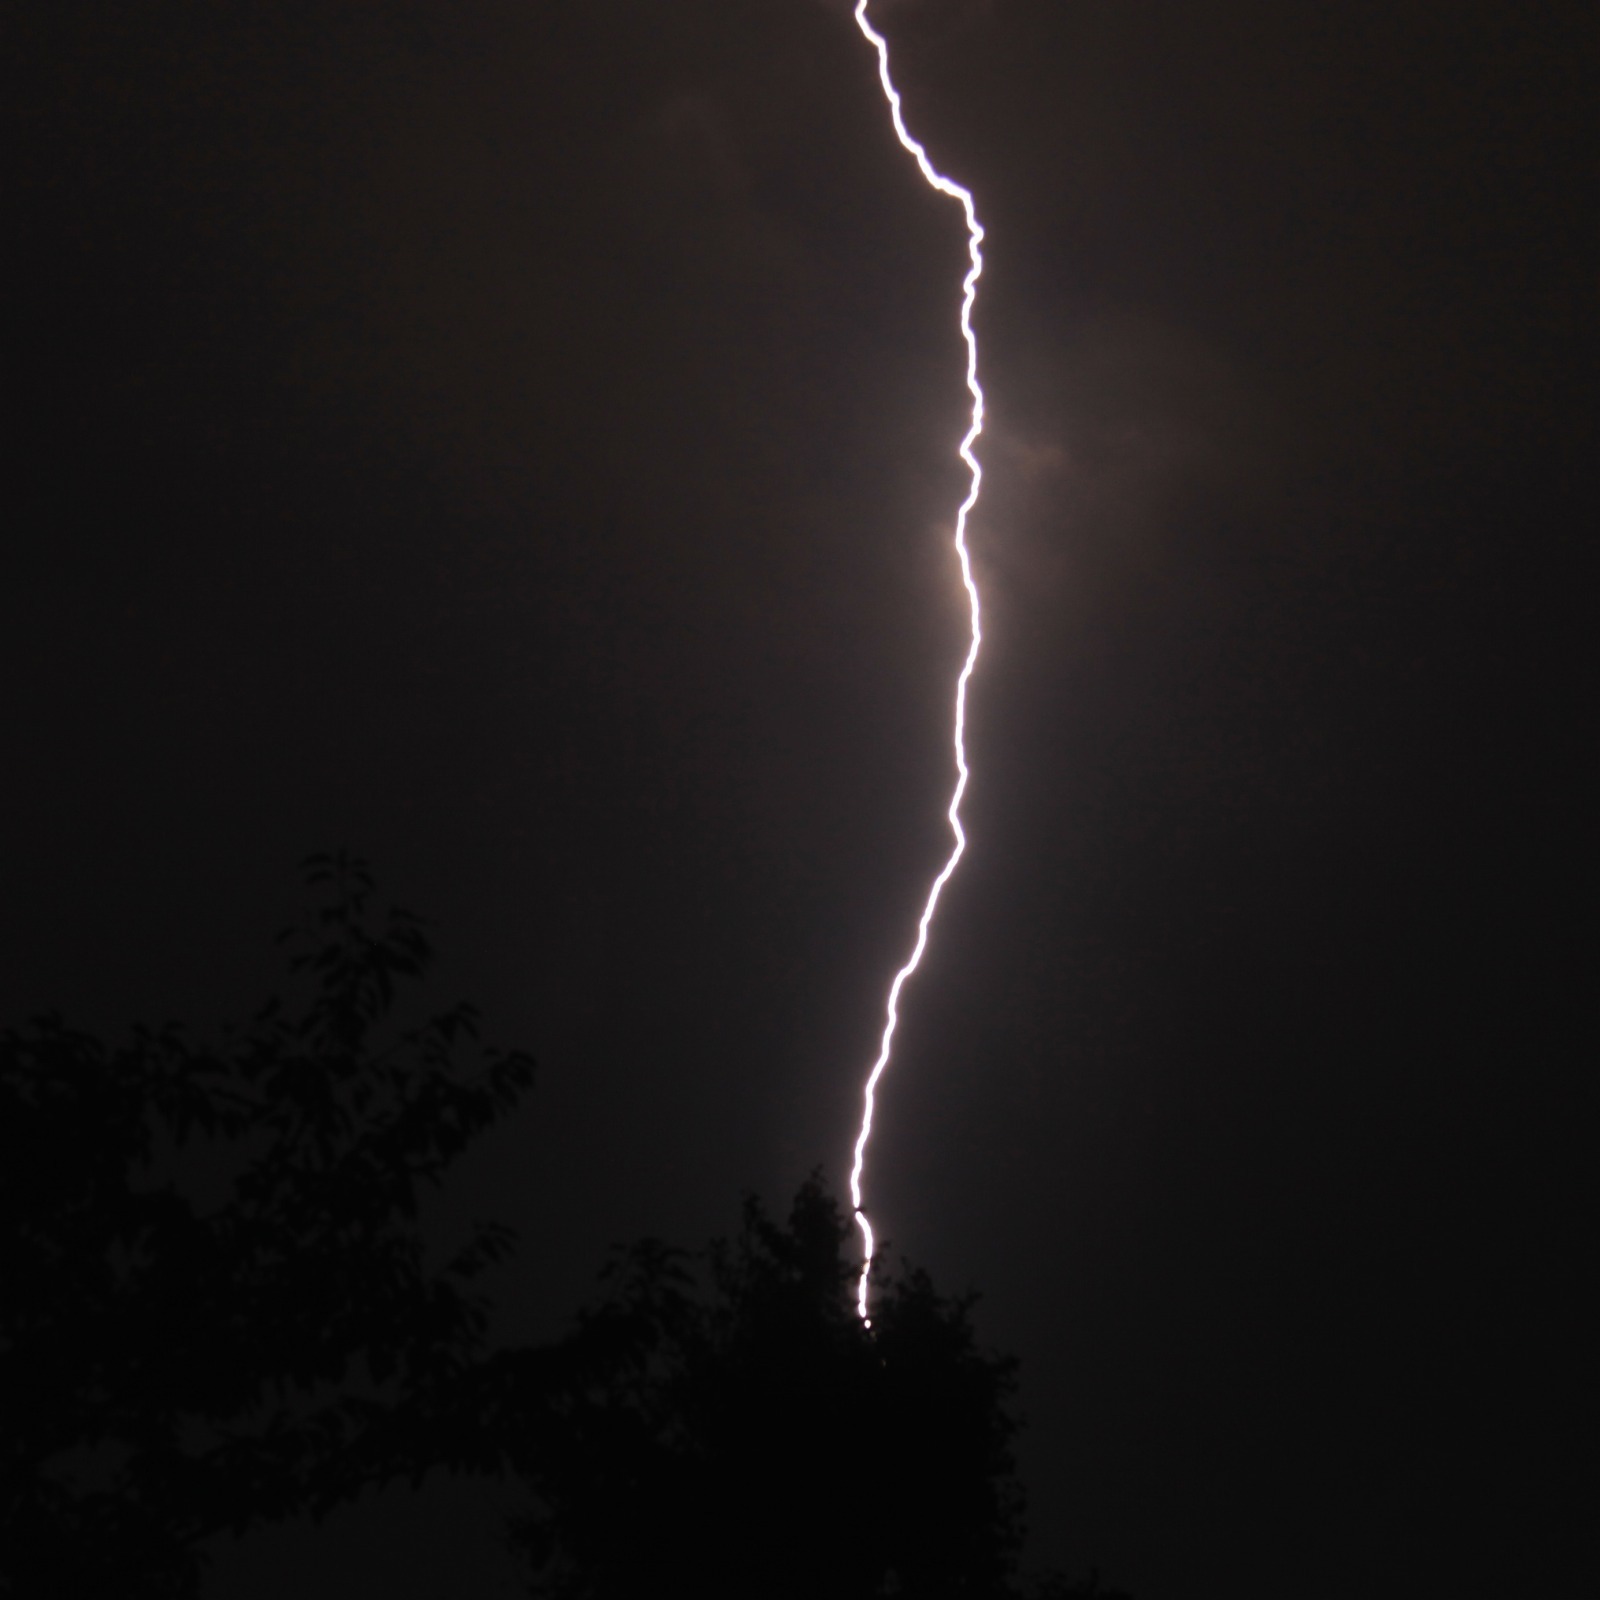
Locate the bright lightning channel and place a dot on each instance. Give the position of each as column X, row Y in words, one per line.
column 969, row 294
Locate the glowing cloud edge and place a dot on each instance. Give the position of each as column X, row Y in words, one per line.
column 969, row 295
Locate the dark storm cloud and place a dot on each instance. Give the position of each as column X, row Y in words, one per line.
column 1122, row 420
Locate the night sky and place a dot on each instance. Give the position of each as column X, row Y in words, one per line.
column 516, row 442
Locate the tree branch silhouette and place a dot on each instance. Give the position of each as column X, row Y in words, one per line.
column 217, row 1309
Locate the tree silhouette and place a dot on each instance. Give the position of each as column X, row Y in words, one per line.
column 740, row 1425
column 217, row 1314
column 215, row 1308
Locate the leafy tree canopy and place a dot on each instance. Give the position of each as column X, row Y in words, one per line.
column 217, row 1313
column 216, row 1307
column 734, row 1420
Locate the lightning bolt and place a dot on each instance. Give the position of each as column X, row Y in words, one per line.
column 969, row 294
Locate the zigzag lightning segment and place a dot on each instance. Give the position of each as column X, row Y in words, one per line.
column 969, row 294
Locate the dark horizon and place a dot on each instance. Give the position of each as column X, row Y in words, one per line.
column 517, row 444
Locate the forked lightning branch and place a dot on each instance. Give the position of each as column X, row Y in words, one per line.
column 969, row 294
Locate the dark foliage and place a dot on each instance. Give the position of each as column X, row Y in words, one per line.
column 216, row 1310
column 1056, row 1587
column 217, row 1314
column 739, row 1424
